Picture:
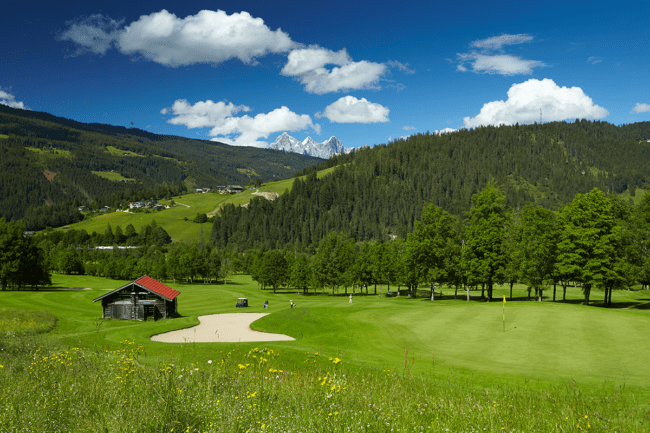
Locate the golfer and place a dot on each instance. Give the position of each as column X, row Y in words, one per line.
column 350, row 298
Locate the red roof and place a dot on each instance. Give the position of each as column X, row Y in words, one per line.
column 157, row 287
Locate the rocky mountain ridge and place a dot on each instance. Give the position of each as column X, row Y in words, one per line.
column 309, row 146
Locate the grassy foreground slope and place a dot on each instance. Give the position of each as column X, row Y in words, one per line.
column 187, row 206
column 544, row 343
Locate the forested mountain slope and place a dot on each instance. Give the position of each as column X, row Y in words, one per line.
column 48, row 160
column 376, row 193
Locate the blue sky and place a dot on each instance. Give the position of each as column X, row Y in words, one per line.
column 243, row 72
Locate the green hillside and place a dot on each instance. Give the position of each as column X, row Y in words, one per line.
column 52, row 165
column 177, row 220
column 378, row 193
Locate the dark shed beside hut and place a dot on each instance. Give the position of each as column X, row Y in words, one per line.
column 142, row 298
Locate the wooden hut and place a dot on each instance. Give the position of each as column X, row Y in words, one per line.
column 142, row 298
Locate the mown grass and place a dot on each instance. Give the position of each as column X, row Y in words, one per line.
column 548, row 343
column 115, row 177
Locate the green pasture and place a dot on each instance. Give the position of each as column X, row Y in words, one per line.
column 544, row 344
column 186, row 206
column 249, row 172
column 638, row 195
column 120, row 152
column 49, row 153
column 115, row 177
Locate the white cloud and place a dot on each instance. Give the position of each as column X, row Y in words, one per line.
column 444, row 131
column 202, row 114
column 490, row 58
column 95, row 34
column 497, row 42
column 404, row 67
column 349, row 109
column 641, row 108
column 238, row 131
column 7, row 98
column 409, row 128
column 503, row 64
column 308, row 65
column 527, row 98
column 162, row 37
column 593, row 60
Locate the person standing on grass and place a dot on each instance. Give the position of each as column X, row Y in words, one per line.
column 291, row 303
column 350, row 298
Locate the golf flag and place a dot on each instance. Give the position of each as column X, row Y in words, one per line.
column 504, row 299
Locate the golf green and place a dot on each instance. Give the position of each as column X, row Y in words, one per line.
column 543, row 342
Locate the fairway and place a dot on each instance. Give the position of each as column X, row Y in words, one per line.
column 543, row 343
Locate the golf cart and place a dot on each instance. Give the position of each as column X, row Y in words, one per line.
column 242, row 302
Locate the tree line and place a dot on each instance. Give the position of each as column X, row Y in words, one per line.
column 596, row 241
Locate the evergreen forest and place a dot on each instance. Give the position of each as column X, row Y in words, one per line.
column 379, row 193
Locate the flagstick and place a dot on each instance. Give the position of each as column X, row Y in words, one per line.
column 504, row 314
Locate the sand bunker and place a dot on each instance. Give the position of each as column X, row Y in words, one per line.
column 221, row 328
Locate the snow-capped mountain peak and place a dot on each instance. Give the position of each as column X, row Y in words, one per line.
column 308, row 146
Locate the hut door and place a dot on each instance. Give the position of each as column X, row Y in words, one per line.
column 140, row 313
column 118, row 311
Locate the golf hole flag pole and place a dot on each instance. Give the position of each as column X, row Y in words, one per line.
column 504, row 313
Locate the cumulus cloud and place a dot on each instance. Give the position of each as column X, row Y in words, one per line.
column 237, row 130
column 202, row 114
column 349, row 109
column 527, row 98
column 409, row 128
column 641, row 108
column 162, row 37
column 490, row 59
column 7, row 98
column 444, row 131
column 308, row 66
column 94, row 34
